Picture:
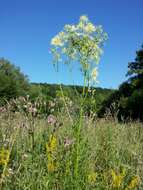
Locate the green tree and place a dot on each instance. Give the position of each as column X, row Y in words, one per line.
column 129, row 96
column 135, row 70
column 13, row 82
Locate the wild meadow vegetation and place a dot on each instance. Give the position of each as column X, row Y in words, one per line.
column 51, row 154
column 67, row 137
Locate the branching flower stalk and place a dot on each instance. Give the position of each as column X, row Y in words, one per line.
column 71, row 120
column 81, row 43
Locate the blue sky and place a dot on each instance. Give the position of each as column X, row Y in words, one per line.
column 27, row 26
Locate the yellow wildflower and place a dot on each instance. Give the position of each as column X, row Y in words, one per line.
column 134, row 183
column 92, row 177
column 116, row 179
column 4, row 157
column 51, row 146
column 51, row 166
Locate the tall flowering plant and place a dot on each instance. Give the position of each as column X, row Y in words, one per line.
column 80, row 43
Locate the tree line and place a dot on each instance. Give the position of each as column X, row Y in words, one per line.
column 125, row 103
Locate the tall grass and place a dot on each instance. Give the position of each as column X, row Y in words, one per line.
column 42, row 154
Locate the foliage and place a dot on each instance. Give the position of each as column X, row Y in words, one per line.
column 13, row 82
column 129, row 97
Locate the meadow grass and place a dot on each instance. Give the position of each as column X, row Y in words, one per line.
column 36, row 154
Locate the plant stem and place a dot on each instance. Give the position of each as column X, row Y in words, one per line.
column 79, row 130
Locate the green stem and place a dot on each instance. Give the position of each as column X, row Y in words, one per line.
column 79, row 129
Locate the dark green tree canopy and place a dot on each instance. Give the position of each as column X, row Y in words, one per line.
column 135, row 70
column 136, row 67
column 13, row 82
column 129, row 96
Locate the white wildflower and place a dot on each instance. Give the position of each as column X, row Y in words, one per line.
column 70, row 28
column 56, row 41
column 90, row 28
column 84, row 18
column 94, row 74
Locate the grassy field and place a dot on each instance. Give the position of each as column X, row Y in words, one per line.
column 52, row 153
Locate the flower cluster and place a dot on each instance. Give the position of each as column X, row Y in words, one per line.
column 117, row 178
column 94, row 74
column 50, row 150
column 51, row 146
column 4, row 157
column 4, row 160
column 68, row 142
column 51, row 119
column 81, row 42
column 133, row 183
column 92, row 178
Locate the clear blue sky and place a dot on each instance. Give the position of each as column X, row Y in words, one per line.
column 27, row 26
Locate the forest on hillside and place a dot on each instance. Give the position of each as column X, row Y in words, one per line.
column 14, row 84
